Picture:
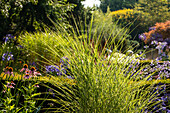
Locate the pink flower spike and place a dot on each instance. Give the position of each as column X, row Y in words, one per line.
column 37, row 73
column 12, row 83
column 36, row 85
column 27, row 69
column 22, row 69
column 27, row 72
column 12, row 74
column 11, row 86
column 8, row 73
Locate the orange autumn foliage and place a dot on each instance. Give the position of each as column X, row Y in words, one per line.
column 160, row 28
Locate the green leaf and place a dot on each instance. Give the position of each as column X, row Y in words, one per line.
column 35, row 94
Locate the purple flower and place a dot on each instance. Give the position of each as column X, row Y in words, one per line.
column 167, row 40
column 51, row 91
column 161, row 45
column 168, row 111
column 20, row 46
column 160, row 39
column 63, row 71
column 64, row 61
column 8, row 37
column 163, row 54
column 8, row 56
column 154, row 42
column 52, row 69
column 146, row 47
column 70, row 77
column 4, row 56
column 142, row 36
column 151, row 28
column 140, row 52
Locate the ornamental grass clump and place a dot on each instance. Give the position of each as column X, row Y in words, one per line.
column 33, row 44
column 101, row 85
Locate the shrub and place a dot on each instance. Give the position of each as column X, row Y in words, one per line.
column 30, row 15
column 136, row 21
column 116, row 4
column 157, row 9
column 159, row 32
column 158, row 37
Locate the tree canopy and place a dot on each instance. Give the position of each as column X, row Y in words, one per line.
column 116, row 4
column 30, row 15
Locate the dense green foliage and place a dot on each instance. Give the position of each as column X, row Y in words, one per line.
column 80, row 15
column 116, row 4
column 144, row 14
column 39, row 44
column 29, row 15
column 136, row 21
column 158, row 10
column 153, row 11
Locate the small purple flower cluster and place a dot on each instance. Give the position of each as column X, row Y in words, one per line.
column 50, row 91
column 62, row 70
column 151, row 28
column 160, row 70
column 163, row 48
column 161, row 45
column 157, row 37
column 8, row 56
column 162, row 100
column 142, row 37
column 8, row 38
column 53, row 69
column 154, row 42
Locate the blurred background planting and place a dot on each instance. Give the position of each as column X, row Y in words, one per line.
column 18, row 16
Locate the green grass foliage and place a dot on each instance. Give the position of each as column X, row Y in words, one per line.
column 38, row 44
column 104, row 27
column 99, row 87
